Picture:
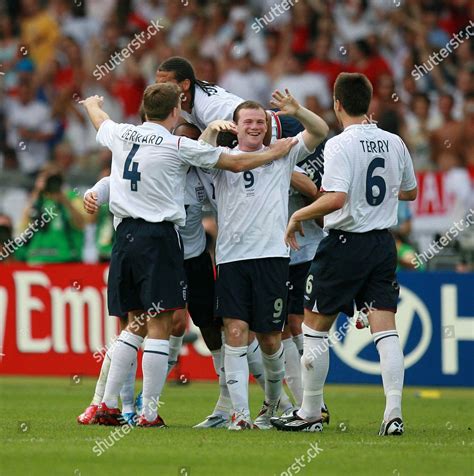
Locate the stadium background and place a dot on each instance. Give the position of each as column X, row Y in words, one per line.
column 53, row 316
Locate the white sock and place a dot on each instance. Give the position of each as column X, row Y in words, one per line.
column 237, row 374
column 298, row 340
column 274, row 372
column 314, row 370
column 176, row 343
column 102, row 380
column 154, row 366
column 123, row 357
column 224, row 403
column 127, row 394
column 293, row 370
column 392, row 369
column 254, row 358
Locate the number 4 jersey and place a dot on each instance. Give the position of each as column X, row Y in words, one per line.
column 149, row 167
column 252, row 208
column 370, row 165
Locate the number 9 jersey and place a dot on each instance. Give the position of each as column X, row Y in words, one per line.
column 370, row 165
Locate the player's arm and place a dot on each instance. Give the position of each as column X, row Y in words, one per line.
column 251, row 160
column 408, row 187
column 211, row 132
column 97, row 195
column 304, row 185
column 93, row 105
column 202, row 154
column 315, row 127
column 408, row 195
column 326, row 204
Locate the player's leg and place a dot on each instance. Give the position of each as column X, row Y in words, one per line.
column 379, row 298
column 270, row 276
column 176, row 338
column 155, row 367
column 201, row 284
column 127, row 396
column 88, row 416
column 123, row 358
column 292, row 365
column 384, row 332
column 219, row 417
column 237, row 371
column 234, row 305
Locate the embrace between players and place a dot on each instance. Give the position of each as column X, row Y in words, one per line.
column 156, row 191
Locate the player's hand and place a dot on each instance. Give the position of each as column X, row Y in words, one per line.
column 93, row 101
column 290, row 233
column 90, row 203
column 281, row 147
column 287, row 104
column 223, row 126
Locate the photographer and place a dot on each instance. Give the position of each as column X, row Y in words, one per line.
column 56, row 240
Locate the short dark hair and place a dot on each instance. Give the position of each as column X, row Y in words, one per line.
column 188, row 130
column 159, row 100
column 247, row 105
column 354, row 91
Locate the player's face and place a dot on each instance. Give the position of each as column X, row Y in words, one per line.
column 251, row 128
column 169, row 77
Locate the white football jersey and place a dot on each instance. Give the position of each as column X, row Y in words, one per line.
column 149, row 167
column 213, row 104
column 207, row 179
column 252, row 208
column 193, row 233
column 370, row 165
column 313, row 234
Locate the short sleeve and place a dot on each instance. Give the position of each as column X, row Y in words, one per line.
column 198, row 153
column 337, row 169
column 102, row 188
column 106, row 132
column 408, row 174
column 299, row 152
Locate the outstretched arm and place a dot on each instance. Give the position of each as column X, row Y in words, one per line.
column 315, row 127
column 252, row 160
column 93, row 105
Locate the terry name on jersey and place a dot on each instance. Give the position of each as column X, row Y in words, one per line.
column 372, row 146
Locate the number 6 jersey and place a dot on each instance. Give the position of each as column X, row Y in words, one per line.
column 370, row 165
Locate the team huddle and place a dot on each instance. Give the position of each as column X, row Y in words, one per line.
column 269, row 310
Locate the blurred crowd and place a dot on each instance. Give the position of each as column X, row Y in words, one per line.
column 53, row 53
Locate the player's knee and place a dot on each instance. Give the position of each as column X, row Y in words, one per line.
column 236, row 332
column 179, row 322
column 294, row 324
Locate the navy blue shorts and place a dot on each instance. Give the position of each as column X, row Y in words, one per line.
column 313, row 165
column 353, row 268
column 146, row 268
column 254, row 291
column 200, row 277
column 296, row 286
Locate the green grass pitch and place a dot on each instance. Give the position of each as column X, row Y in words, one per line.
column 39, row 435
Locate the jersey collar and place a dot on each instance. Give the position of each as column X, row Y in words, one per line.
column 154, row 125
column 365, row 126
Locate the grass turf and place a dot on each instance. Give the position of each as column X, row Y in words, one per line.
column 39, row 435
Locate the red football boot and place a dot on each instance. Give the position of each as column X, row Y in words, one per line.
column 88, row 416
column 109, row 416
column 157, row 423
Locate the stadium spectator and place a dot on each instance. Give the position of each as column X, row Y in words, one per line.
column 450, row 134
column 303, row 84
column 244, row 79
column 30, row 127
column 418, row 127
column 59, row 220
column 39, row 32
